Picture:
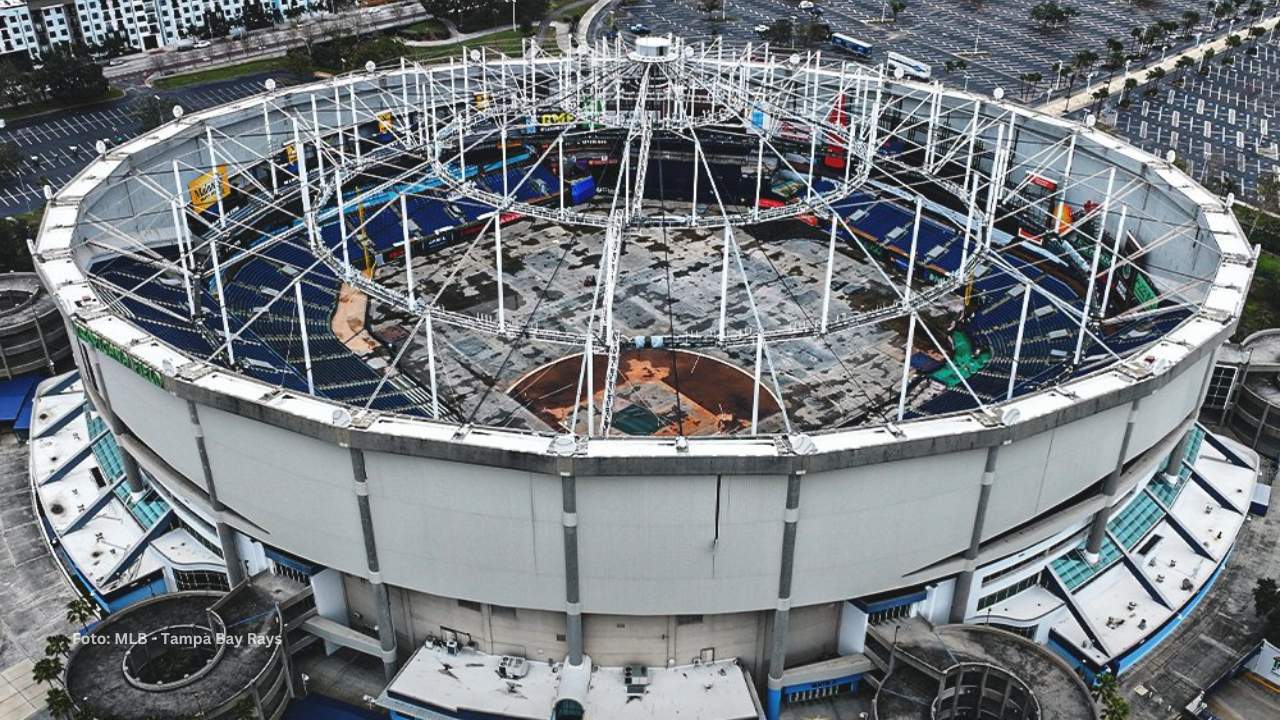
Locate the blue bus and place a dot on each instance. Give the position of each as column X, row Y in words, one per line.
column 851, row 45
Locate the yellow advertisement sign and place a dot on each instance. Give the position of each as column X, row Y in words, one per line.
column 482, row 100
column 290, row 154
column 556, row 118
column 386, row 122
column 209, row 188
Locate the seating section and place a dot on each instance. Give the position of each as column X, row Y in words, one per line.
column 264, row 316
column 262, row 307
column 1049, row 339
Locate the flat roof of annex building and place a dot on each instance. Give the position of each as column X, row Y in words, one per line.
column 208, row 384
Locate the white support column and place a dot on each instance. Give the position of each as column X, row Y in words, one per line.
column 1092, row 280
column 355, row 123
column 906, row 301
column 848, row 148
column 993, row 179
column 1115, row 260
column 404, row 93
column 693, row 211
column 337, row 117
column 759, row 169
column 271, row 153
column 560, row 173
column 971, row 185
column 590, row 390
column 1017, row 344
column 408, row 250
column 497, row 255
column 506, row 192
column 217, row 177
column 1066, row 178
column 431, row 366
column 315, row 137
column 931, row 133
column 185, row 248
column 306, row 341
column 755, row 393
column 813, row 158
column 906, row 366
column 724, row 281
column 308, row 218
column 179, row 232
column 342, row 221
column 222, row 300
column 826, row 284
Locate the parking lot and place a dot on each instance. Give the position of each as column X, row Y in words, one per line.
column 52, row 149
column 1221, row 124
column 998, row 42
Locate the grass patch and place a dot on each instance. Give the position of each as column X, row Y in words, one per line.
column 431, row 29
column 1262, row 306
column 223, row 73
column 507, row 41
column 24, row 111
column 1261, row 228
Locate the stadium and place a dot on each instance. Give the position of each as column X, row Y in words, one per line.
column 697, row 372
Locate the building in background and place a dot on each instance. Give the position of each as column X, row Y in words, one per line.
column 34, row 26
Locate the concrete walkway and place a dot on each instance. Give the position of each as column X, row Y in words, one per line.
column 1085, row 97
column 33, row 591
column 456, row 37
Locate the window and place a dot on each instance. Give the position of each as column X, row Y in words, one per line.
column 200, row 580
column 296, row 575
column 688, row 620
column 893, row 613
column 1006, row 593
column 469, row 605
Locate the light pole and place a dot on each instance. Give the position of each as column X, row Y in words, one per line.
column 513, row 12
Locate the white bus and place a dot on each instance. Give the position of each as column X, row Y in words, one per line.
column 910, row 68
column 851, row 45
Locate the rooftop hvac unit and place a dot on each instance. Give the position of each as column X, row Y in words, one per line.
column 513, row 668
column 636, row 678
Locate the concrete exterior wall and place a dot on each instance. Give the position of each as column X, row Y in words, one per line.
column 648, row 544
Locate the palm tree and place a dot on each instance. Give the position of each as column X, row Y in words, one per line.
column 1129, row 85
column 57, row 645
column 47, row 670
column 897, row 6
column 80, row 611
column 1029, row 82
column 1190, row 19
column 1184, row 64
column 59, row 704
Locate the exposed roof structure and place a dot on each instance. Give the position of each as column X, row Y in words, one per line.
column 846, row 250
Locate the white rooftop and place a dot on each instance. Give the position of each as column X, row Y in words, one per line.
column 469, row 680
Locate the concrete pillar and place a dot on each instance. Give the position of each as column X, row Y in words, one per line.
column 381, row 598
column 1099, row 526
column 226, row 535
column 132, row 476
column 964, row 582
column 1173, row 466
column 782, row 615
column 569, row 523
column 1262, row 422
